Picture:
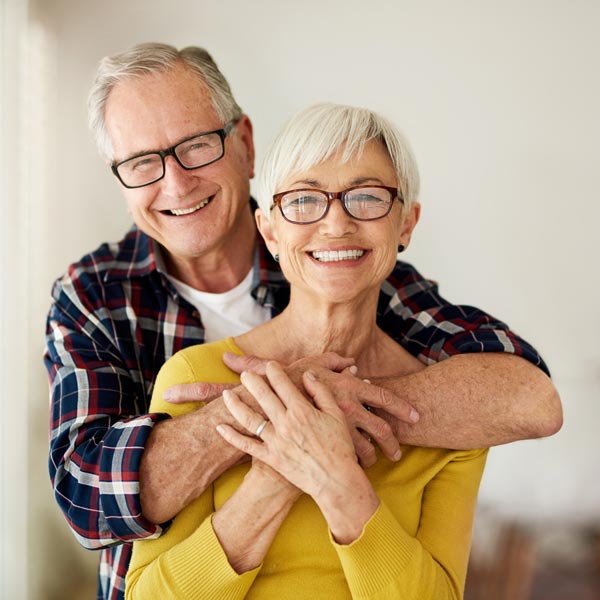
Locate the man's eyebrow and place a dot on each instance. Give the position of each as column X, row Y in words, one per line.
column 156, row 151
column 135, row 155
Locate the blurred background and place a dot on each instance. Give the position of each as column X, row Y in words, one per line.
column 500, row 102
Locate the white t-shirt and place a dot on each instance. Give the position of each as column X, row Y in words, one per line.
column 228, row 314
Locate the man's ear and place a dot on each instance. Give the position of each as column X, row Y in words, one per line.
column 266, row 230
column 245, row 132
column 410, row 221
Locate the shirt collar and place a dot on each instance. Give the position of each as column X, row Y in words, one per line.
column 138, row 256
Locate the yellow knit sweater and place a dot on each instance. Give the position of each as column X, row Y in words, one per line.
column 415, row 546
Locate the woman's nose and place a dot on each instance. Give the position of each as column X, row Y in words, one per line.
column 337, row 221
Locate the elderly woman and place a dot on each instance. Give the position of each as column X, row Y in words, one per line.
column 304, row 519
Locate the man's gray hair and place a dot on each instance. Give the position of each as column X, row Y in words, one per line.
column 151, row 58
column 317, row 132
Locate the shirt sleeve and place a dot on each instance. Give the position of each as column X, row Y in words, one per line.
column 97, row 434
column 412, row 311
column 386, row 563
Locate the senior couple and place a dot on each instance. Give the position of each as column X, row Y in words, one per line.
column 325, row 473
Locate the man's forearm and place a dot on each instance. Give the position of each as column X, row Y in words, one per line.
column 477, row 400
column 183, row 456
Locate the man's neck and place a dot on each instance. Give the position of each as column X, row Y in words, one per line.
column 220, row 269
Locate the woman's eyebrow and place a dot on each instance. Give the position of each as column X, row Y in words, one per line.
column 315, row 183
column 361, row 180
column 308, row 182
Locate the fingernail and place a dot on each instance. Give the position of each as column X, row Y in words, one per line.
column 353, row 369
column 310, row 375
column 398, row 455
column 220, row 429
column 167, row 395
column 414, row 416
column 367, row 380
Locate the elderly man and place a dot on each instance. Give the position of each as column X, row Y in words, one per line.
column 193, row 269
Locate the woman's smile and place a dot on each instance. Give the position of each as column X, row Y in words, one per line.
column 338, row 255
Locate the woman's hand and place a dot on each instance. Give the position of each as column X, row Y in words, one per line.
column 308, row 444
column 351, row 394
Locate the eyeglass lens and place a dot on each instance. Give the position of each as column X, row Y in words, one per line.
column 365, row 203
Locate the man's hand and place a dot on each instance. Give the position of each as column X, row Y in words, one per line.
column 351, row 394
column 356, row 397
column 205, row 392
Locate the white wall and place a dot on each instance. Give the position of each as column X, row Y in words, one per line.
column 500, row 101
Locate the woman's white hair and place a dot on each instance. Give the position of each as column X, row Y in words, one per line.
column 317, row 132
column 150, row 58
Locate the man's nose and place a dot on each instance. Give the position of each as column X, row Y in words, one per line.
column 177, row 180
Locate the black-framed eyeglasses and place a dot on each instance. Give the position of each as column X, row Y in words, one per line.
column 361, row 202
column 192, row 153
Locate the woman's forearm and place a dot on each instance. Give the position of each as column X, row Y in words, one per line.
column 248, row 522
column 347, row 503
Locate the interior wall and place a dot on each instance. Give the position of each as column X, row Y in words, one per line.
column 500, row 103
column 14, row 315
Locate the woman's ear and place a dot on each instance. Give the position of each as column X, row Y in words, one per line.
column 410, row 221
column 266, row 230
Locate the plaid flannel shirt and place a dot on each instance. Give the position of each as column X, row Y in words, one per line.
column 115, row 319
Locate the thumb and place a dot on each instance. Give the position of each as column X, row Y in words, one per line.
column 246, row 362
column 337, row 363
column 195, row 392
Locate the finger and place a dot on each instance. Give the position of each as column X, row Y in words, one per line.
column 239, row 363
column 285, row 388
column 380, row 431
column 321, row 395
column 248, row 418
column 248, row 445
column 388, row 401
column 364, row 449
column 267, row 399
column 351, row 370
column 195, row 392
column 335, row 362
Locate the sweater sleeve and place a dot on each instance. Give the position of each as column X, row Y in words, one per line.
column 386, row 563
column 187, row 562
column 162, row 568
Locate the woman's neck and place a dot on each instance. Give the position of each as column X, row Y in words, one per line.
column 310, row 325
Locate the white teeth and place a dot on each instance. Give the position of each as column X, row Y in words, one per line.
column 336, row 255
column 187, row 211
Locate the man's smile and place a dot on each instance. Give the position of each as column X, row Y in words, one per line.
column 178, row 212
